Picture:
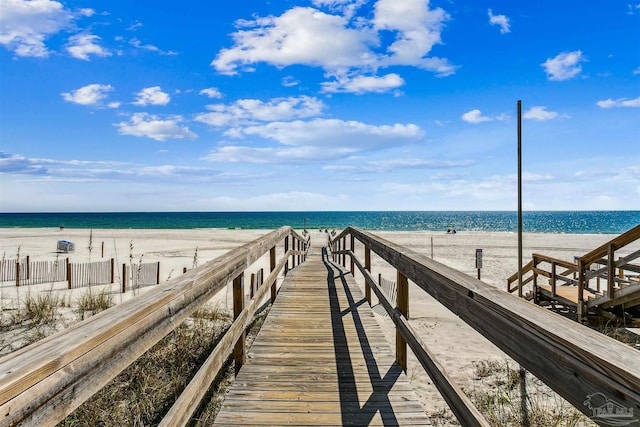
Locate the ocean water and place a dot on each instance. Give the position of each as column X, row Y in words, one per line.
column 611, row 222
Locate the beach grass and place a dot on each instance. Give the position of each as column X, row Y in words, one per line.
column 145, row 391
column 498, row 394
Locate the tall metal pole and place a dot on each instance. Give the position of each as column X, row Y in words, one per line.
column 520, row 198
column 524, row 412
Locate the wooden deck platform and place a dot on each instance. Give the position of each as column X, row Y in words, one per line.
column 321, row 359
column 565, row 294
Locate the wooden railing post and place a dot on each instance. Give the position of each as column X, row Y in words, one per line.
column 18, row 273
column 69, row 271
column 28, row 268
column 286, row 249
column 553, row 278
column 113, row 270
column 620, row 270
column 611, row 270
column 238, row 304
column 272, row 266
column 353, row 244
column 252, row 285
column 581, row 283
column 299, row 255
column 344, row 248
column 367, row 266
column 124, row 278
column 293, row 247
column 536, row 299
column 158, row 274
column 402, row 304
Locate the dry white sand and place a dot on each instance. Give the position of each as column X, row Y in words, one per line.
column 455, row 344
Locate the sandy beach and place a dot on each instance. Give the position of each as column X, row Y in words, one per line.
column 456, row 345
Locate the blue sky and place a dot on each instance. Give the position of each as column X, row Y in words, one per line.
column 318, row 105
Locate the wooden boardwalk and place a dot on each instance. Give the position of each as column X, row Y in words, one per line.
column 321, row 359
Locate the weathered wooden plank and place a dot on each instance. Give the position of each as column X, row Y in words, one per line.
column 321, row 341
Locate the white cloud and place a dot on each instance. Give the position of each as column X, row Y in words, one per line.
column 301, row 35
column 86, row 12
column 539, row 113
column 251, row 110
column 475, row 116
column 363, row 84
column 620, row 102
column 501, row 20
column 211, row 92
column 91, row 171
column 24, row 25
column 92, row 94
column 82, row 45
column 339, row 45
column 338, row 134
column 564, row 66
column 302, row 200
column 417, row 29
column 151, row 48
column 289, row 81
column 150, row 126
column 636, row 71
column 308, row 141
column 381, row 166
column 152, row 96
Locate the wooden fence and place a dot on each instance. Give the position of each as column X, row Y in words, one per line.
column 10, row 269
column 138, row 275
column 570, row 358
column 42, row 383
column 90, row 273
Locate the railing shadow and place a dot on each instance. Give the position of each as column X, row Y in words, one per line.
column 353, row 413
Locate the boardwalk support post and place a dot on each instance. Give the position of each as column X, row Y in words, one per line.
column 581, row 283
column 286, row 249
column 402, row 304
column 353, row 243
column 239, row 355
column 272, row 266
column 367, row 266
column 293, row 256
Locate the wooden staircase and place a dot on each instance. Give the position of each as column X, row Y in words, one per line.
column 596, row 282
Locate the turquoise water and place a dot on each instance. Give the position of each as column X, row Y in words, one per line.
column 613, row 222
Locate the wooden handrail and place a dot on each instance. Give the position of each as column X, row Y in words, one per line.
column 572, row 359
column 571, row 266
column 459, row 403
column 44, row 382
column 527, row 268
column 618, row 242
